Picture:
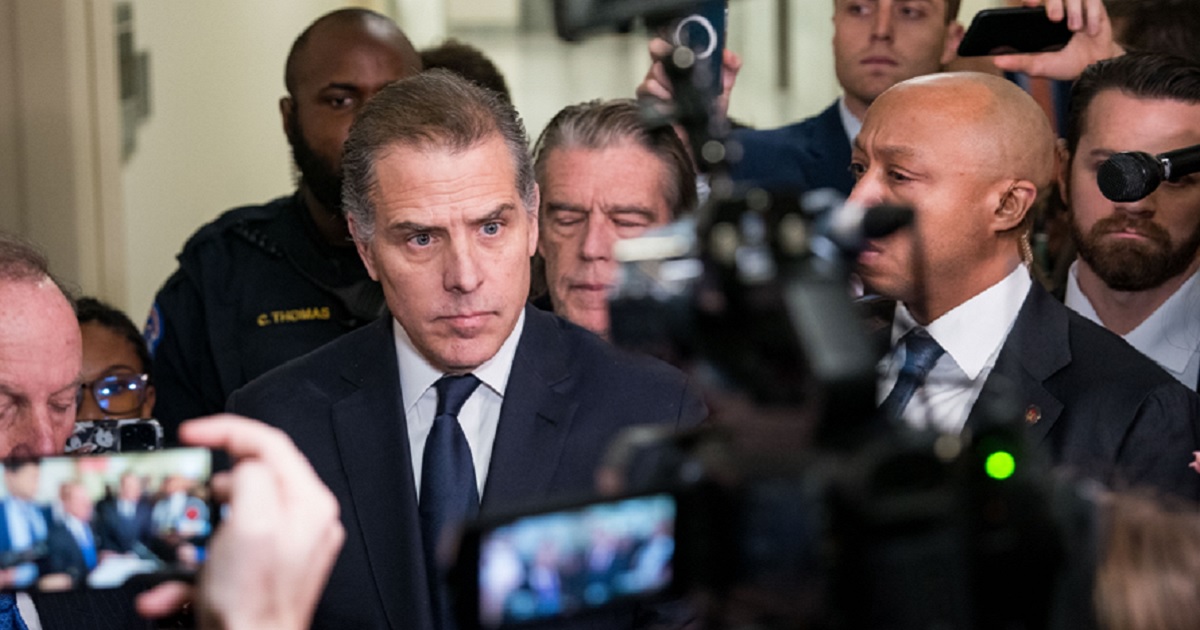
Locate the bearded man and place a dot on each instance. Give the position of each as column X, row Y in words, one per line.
column 264, row 284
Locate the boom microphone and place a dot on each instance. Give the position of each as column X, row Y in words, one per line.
column 849, row 225
column 1133, row 175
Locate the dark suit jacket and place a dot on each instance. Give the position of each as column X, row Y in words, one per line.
column 84, row 609
column 813, row 153
column 568, row 394
column 64, row 554
column 1096, row 405
column 115, row 533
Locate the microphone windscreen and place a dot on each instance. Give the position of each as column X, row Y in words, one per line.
column 880, row 221
column 1127, row 177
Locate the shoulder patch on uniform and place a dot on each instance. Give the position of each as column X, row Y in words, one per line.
column 152, row 333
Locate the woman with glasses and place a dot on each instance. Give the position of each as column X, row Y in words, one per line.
column 116, row 365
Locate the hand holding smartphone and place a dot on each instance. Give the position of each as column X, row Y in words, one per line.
column 704, row 32
column 1091, row 40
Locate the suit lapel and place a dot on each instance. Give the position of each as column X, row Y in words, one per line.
column 372, row 441
column 1036, row 349
column 534, row 419
column 831, row 149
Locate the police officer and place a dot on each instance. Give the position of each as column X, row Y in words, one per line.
column 264, row 284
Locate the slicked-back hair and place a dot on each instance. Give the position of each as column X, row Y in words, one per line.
column 90, row 309
column 602, row 124
column 432, row 110
column 1140, row 75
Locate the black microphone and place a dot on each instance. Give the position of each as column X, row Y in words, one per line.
column 1134, row 175
column 849, row 225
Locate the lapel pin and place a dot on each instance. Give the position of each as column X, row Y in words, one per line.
column 1033, row 414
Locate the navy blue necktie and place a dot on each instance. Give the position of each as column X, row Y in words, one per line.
column 10, row 617
column 920, row 353
column 449, row 495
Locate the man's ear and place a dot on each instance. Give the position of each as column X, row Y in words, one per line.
column 954, row 36
column 1015, row 203
column 287, row 110
column 364, row 249
column 1064, row 173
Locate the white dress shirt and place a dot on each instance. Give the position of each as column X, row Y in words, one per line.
column 850, row 122
column 1170, row 335
column 479, row 416
column 972, row 334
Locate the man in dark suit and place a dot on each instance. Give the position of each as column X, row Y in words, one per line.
column 122, row 522
column 23, row 523
column 970, row 153
column 440, row 198
column 875, row 46
column 71, row 544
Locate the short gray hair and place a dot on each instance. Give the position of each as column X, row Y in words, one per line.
column 435, row 109
column 22, row 261
column 602, row 124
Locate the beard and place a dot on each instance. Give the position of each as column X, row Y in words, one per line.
column 1128, row 265
column 316, row 172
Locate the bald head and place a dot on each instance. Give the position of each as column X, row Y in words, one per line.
column 342, row 22
column 969, row 153
column 995, row 123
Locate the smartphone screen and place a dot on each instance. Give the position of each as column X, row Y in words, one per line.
column 560, row 563
column 95, row 521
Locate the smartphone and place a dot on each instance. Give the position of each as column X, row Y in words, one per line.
column 703, row 31
column 97, row 521
column 115, row 436
column 566, row 561
column 1013, row 30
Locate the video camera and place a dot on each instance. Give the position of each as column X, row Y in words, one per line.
column 795, row 506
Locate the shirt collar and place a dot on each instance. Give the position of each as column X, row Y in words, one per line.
column 850, row 122
column 417, row 375
column 1170, row 335
column 972, row 331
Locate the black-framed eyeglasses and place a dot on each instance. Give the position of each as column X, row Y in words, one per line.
column 116, row 393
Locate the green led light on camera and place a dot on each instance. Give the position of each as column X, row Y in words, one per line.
column 1000, row 465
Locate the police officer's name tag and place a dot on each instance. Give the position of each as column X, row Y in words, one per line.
column 293, row 316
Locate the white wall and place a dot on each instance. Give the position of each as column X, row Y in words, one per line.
column 484, row 13
column 58, row 187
